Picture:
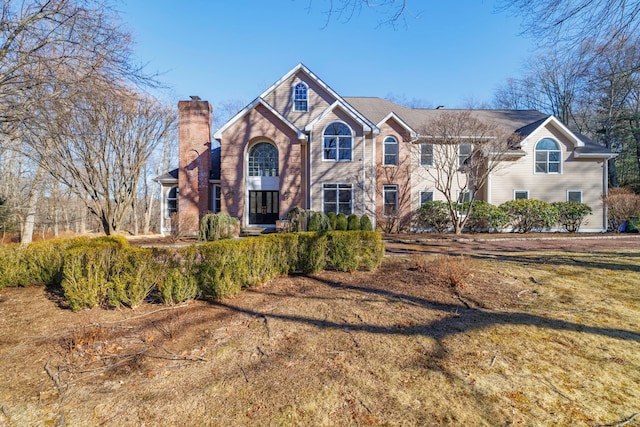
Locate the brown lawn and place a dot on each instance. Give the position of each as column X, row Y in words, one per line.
column 528, row 338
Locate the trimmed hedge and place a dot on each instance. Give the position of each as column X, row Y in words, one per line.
column 108, row 272
column 529, row 214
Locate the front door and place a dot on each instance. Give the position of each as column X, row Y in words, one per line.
column 263, row 207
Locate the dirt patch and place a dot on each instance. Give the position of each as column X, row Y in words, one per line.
column 530, row 339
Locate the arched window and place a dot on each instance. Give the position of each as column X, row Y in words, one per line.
column 337, row 142
column 390, row 155
column 263, row 160
column 300, row 100
column 172, row 201
column 547, row 156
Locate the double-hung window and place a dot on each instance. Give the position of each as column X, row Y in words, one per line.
column 426, row 196
column 390, row 154
column 338, row 142
column 390, row 208
column 426, row 154
column 464, row 154
column 337, row 198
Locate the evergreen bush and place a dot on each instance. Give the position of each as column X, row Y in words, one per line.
column 341, row 222
column 433, row 215
column 133, row 275
column 319, row 222
column 486, row 217
column 353, row 223
column 332, row 220
column 527, row 215
column 365, row 223
column 298, row 219
column 217, row 226
column 350, row 251
column 571, row 215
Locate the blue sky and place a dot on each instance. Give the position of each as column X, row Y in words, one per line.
column 231, row 50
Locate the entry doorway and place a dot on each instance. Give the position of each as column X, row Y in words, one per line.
column 264, row 207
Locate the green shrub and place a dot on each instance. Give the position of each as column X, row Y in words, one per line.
column 221, row 271
column 176, row 286
column 312, row 249
column 332, row 219
column 485, row 216
column 341, row 222
column 133, row 275
column 217, row 226
column 350, row 251
column 298, row 219
column 365, row 223
column 433, row 215
column 527, row 215
column 353, row 223
column 572, row 214
column 86, row 273
column 319, row 222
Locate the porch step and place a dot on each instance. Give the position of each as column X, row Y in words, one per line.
column 256, row 231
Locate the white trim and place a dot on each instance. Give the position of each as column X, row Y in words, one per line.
column 384, row 151
column 577, row 142
column 373, row 181
column 344, row 107
column 573, row 191
column 337, row 195
column 337, row 159
column 322, row 84
column 560, row 162
column 218, row 135
column 397, row 118
column 578, row 155
column 293, row 96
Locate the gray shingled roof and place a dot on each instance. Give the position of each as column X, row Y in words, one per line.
column 523, row 122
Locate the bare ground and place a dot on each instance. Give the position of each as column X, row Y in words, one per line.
column 543, row 333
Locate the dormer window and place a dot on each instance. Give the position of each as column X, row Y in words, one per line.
column 300, row 99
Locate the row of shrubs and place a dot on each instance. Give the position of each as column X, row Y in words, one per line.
column 522, row 215
column 107, row 271
column 307, row 220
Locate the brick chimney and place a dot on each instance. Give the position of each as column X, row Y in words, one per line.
column 194, row 152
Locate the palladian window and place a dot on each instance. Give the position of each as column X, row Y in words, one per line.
column 263, row 160
column 547, row 156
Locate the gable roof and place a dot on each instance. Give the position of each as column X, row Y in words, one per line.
column 251, row 106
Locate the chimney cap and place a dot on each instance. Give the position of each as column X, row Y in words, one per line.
column 194, row 97
column 440, row 107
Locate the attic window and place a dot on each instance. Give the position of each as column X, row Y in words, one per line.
column 300, row 99
column 547, row 156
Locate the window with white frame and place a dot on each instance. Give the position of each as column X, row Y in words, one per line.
column 426, row 196
column 548, row 156
column 263, row 160
column 172, row 201
column 337, row 142
column 390, row 197
column 390, row 151
column 520, row 194
column 465, row 196
column 464, row 154
column 426, row 154
column 300, row 97
column 337, row 198
column 574, row 196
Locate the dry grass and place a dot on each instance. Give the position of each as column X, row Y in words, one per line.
column 538, row 339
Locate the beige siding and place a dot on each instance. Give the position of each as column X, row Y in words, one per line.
column 281, row 99
column 356, row 172
column 576, row 175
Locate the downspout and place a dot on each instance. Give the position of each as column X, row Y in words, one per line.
column 605, row 192
column 489, row 182
column 364, row 171
column 309, row 202
column 373, row 180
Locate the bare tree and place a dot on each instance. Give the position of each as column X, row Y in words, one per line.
column 572, row 22
column 465, row 151
column 99, row 147
column 391, row 11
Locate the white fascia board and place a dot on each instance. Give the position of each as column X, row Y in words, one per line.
column 238, row 116
column 397, row 118
column 166, row 181
column 579, row 155
column 563, row 129
column 218, row 135
column 344, row 107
